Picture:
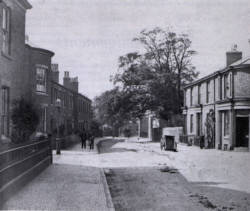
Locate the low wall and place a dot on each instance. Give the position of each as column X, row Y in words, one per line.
column 21, row 164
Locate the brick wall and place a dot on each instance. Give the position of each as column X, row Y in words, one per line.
column 36, row 57
column 13, row 73
column 83, row 110
column 64, row 116
column 242, row 83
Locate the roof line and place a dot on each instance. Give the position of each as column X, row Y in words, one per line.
column 40, row 49
column 72, row 91
column 234, row 65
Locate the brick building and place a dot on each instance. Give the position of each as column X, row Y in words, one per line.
column 218, row 105
column 75, row 112
column 27, row 71
column 13, row 80
column 38, row 67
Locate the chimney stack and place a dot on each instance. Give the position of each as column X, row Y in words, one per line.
column 66, row 74
column 75, row 84
column 66, row 80
column 233, row 55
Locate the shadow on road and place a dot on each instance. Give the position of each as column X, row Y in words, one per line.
column 109, row 143
column 151, row 189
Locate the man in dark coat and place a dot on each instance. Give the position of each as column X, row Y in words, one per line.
column 83, row 137
column 91, row 139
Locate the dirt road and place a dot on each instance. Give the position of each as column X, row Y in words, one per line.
column 164, row 188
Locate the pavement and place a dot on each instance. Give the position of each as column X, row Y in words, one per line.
column 65, row 186
column 76, row 180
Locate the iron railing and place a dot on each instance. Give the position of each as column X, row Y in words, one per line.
column 16, row 162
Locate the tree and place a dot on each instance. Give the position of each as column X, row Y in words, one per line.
column 105, row 106
column 25, row 119
column 153, row 80
column 95, row 128
column 169, row 54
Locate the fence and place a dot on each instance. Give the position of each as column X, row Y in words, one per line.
column 192, row 140
column 19, row 165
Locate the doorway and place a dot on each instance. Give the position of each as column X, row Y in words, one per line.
column 242, row 131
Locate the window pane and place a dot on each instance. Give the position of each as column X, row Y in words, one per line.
column 41, row 79
column 4, row 22
column 6, row 30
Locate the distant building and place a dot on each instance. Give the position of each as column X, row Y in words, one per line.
column 218, row 105
column 75, row 111
column 75, row 108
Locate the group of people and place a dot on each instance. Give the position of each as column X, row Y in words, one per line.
column 87, row 139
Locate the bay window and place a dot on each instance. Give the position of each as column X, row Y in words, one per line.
column 41, row 79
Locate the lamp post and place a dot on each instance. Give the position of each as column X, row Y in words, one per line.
column 58, row 143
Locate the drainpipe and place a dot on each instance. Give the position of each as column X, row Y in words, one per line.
column 214, row 117
column 233, row 111
column 201, row 119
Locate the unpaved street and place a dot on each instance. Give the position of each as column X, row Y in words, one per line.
column 161, row 187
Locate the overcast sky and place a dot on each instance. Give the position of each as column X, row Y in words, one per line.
column 88, row 36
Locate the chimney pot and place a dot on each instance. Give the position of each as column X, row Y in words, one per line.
column 66, row 74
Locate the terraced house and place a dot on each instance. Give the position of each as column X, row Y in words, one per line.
column 28, row 71
column 218, row 106
column 13, row 76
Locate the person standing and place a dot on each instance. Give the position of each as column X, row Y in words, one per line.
column 83, row 137
column 92, row 140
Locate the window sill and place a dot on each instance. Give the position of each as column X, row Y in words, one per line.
column 6, row 56
column 41, row 93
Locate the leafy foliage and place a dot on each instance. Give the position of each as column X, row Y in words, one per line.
column 151, row 80
column 154, row 79
column 25, row 119
column 110, row 108
column 95, row 128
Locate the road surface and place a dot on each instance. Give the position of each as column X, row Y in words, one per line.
column 162, row 187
